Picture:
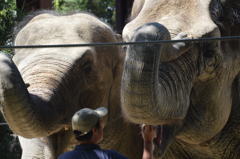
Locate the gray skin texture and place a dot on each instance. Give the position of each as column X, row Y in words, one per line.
column 189, row 90
column 40, row 89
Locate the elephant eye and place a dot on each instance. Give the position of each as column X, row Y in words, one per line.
column 87, row 67
column 124, row 48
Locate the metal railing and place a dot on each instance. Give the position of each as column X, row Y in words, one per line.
column 225, row 38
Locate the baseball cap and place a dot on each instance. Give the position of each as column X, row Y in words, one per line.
column 85, row 119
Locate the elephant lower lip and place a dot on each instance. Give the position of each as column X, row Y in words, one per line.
column 165, row 136
column 159, row 138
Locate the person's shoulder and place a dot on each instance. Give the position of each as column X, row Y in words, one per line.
column 115, row 155
column 67, row 155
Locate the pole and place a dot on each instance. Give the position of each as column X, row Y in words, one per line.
column 123, row 9
column 32, row 5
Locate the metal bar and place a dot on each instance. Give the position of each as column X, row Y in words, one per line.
column 226, row 38
column 123, row 9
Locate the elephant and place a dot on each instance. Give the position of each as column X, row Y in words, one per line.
column 188, row 90
column 41, row 88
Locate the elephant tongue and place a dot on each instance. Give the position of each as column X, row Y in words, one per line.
column 165, row 136
column 159, row 138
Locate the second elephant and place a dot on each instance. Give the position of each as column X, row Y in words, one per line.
column 42, row 88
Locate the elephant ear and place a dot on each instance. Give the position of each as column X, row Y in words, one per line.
column 228, row 21
column 225, row 13
column 231, row 2
column 231, row 11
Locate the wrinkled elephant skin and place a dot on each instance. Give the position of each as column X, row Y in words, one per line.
column 190, row 91
column 41, row 88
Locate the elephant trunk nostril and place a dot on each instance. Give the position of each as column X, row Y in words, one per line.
column 158, row 32
column 151, row 32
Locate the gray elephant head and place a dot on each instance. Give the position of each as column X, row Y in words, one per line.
column 186, row 89
column 41, row 88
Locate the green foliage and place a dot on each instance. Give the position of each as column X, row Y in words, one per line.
column 9, row 146
column 105, row 10
column 7, row 21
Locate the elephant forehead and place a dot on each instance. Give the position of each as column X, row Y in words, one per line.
column 189, row 16
column 62, row 30
column 46, row 29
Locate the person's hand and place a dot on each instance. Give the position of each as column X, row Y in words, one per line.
column 149, row 132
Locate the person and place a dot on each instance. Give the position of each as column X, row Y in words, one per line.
column 88, row 125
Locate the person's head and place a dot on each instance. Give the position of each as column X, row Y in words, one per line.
column 88, row 124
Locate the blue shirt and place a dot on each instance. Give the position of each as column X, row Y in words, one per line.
column 90, row 151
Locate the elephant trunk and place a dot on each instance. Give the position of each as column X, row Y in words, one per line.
column 16, row 104
column 154, row 92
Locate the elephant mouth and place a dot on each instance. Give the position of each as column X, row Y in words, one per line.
column 156, row 87
column 159, row 141
column 159, row 138
column 164, row 138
